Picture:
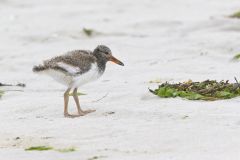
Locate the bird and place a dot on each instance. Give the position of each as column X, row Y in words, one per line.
column 76, row 68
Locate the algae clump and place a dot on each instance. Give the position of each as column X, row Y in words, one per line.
column 47, row 148
column 236, row 15
column 39, row 148
column 208, row 90
column 1, row 93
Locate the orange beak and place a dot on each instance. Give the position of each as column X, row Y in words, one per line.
column 115, row 60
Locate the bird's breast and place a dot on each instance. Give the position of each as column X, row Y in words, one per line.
column 92, row 74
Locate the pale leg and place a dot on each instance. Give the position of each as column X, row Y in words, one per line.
column 80, row 111
column 66, row 99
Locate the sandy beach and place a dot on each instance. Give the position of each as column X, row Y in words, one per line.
column 158, row 41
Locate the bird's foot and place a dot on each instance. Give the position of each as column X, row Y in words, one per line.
column 89, row 111
column 71, row 115
column 82, row 113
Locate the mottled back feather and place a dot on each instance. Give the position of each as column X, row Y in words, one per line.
column 78, row 58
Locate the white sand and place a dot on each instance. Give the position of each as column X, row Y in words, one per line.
column 156, row 39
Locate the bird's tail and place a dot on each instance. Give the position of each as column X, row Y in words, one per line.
column 39, row 68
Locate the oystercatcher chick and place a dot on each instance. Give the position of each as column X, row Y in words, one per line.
column 76, row 68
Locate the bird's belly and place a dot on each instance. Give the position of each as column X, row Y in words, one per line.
column 60, row 77
column 74, row 81
column 91, row 75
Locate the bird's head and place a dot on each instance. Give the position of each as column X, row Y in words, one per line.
column 106, row 53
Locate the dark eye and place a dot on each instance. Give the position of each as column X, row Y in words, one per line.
column 106, row 53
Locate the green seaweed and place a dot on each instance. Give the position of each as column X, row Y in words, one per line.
column 88, row 32
column 236, row 15
column 39, row 148
column 79, row 94
column 93, row 158
column 96, row 157
column 1, row 93
column 236, row 57
column 65, row 150
column 46, row 148
column 209, row 90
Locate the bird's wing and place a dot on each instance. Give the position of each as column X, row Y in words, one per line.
column 79, row 52
column 73, row 63
column 69, row 68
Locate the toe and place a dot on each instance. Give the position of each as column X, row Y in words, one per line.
column 81, row 113
column 73, row 116
column 89, row 111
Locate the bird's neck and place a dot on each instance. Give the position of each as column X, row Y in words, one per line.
column 101, row 62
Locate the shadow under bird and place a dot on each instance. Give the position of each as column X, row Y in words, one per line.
column 76, row 68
